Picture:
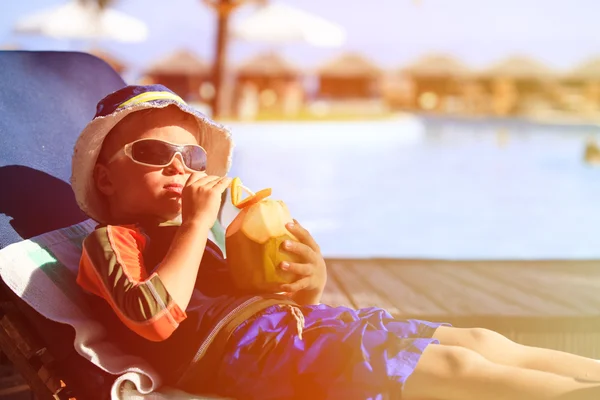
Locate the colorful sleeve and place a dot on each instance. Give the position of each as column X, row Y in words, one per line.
column 112, row 267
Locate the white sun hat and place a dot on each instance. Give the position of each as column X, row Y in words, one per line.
column 213, row 137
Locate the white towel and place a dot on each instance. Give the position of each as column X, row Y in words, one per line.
column 42, row 271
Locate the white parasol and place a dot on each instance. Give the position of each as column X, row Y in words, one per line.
column 80, row 19
column 278, row 23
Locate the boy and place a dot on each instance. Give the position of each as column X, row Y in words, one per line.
column 162, row 278
column 151, row 171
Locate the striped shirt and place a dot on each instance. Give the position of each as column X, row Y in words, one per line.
column 118, row 266
column 113, row 267
column 118, row 263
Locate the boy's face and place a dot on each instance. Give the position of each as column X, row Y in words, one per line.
column 136, row 192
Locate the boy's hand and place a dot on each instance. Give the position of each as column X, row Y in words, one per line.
column 201, row 197
column 311, row 270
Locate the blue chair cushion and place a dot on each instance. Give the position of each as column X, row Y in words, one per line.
column 46, row 99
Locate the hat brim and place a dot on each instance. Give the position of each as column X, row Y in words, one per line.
column 213, row 137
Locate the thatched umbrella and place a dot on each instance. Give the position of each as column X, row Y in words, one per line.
column 349, row 75
column 350, row 65
column 517, row 84
column 181, row 62
column 582, row 81
column 436, row 66
column 111, row 60
column 587, row 71
column 181, row 71
column 273, row 78
column 433, row 79
column 518, row 68
column 268, row 64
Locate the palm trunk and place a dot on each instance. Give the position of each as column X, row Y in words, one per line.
column 223, row 12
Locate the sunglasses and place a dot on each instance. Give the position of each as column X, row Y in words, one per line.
column 159, row 153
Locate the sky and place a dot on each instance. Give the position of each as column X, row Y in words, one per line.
column 560, row 33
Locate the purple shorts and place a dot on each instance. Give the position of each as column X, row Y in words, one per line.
column 343, row 354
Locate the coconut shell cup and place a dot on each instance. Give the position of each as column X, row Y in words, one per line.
column 253, row 241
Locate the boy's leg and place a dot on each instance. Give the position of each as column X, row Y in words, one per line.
column 501, row 350
column 456, row 373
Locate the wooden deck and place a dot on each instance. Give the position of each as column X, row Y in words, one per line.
column 554, row 304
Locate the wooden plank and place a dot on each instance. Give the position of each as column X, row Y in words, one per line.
column 529, row 303
column 333, row 295
column 371, row 290
column 403, row 297
column 580, row 284
column 13, row 390
column 360, row 292
column 410, row 277
column 585, row 286
column 467, row 298
column 28, row 372
column 550, row 288
column 25, row 351
column 496, row 282
column 11, row 383
column 15, row 332
column 456, row 298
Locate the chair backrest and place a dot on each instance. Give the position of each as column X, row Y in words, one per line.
column 46, row 98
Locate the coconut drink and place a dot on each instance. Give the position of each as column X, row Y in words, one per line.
column 253, row 240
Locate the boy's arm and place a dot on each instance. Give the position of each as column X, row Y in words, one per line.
column 201, row 200
column 112, row 267
column 179, row 269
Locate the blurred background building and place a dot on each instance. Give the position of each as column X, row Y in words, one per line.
column 319, row 62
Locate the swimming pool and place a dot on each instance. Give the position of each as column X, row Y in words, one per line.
column 435, row 188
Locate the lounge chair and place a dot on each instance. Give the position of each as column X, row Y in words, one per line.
column 46, row 98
